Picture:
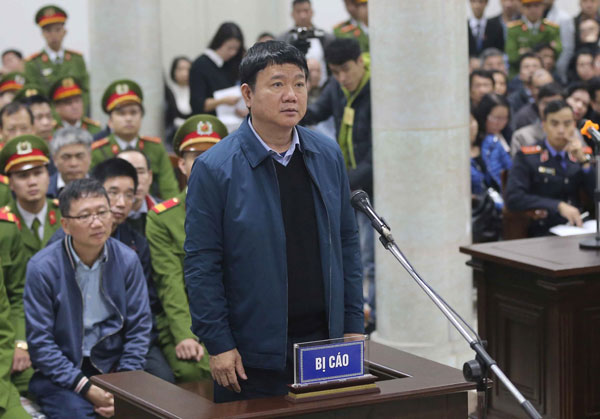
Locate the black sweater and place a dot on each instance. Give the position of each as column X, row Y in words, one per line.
column 205, row 79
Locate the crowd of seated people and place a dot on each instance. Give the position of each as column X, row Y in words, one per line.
column 550, row 66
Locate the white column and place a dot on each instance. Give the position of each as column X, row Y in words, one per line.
column 421, row 170
column 125, row 42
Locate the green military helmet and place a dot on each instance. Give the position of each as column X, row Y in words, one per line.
column 120, row 92
column 64, row 88
column 12, row 82
column 198, row 133
column 50, row 14
column 29, row 90
column 23, row 153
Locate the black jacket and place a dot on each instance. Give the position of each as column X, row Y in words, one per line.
column 205, row 79
column 493, row 37
column 331, row 103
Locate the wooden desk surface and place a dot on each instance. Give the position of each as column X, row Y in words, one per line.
column 424, row 377
column 553, row 256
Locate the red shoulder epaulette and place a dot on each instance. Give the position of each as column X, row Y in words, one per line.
column 156, row 140
column 32, row 56
column 4, row 179
column 99, row 143
column 163, row 206
column 8, row 216
column 55, row 202
column 531, row 149
column 587, row 150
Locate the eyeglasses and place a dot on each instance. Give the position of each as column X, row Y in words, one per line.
column 114, row 196
column 89, row 218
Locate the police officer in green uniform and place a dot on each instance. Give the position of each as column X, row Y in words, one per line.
column 165, row 233
column 24, row 159
column 123, row 102
column 355, row 27
column 53, row 62
column 5, row 195
column 68, row 103
column 548, row 176
column 10, row 404
column 13, row 263
column 10, row 84
column 529, row 31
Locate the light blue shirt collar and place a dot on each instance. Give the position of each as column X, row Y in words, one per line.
column 279, row 158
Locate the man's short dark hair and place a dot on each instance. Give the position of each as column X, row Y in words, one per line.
column 550, row 89
column 148, row 163
column 342, row 50
column 115, row 167
column 295, row 2
column 78, row 189
column 542, row 46
column 12, row 108
column 35, row 100
column 486, row 74
column 594, row 86
column 263, row 54
column 554, row 106
column 13, row 51
column 576, row 85
column 529, row 55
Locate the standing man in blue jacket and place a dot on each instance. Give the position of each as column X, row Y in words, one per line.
column 272, row 252
column 86, row 308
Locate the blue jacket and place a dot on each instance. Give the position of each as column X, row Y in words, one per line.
column 54, row 314
column 496, row 159
column 235, row 262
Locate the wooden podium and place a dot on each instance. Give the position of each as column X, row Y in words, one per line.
column 411, row 387
column 539, row 309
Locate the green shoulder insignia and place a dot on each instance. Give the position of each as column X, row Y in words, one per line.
column 91, row 121
column 341, row 24
column 8, row 217
column 99, row 143
column 531, row 149
column 55, row 202
column 156, row 140
column 163, row 206
column 347, row 28
column 73, row 52
column 4, row 179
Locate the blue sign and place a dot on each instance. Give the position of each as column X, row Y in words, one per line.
column 331, row 362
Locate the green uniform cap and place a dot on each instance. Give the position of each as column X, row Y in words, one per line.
column 23, row 153
column 50, row 14
column 12, row 82
column 120, row 92
column 198, row 133
column 65, row 87
column 29, row 90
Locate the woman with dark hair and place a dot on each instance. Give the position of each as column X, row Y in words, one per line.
column 177, row 96
column 581, row 67
column 216, row 69
column 493, row 115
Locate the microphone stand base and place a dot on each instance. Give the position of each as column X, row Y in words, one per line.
column 590, row 243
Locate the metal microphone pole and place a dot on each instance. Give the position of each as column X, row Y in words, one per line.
column 482, row 356
column 594, row 242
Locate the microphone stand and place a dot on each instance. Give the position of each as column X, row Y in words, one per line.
column 475, row 370
column 594, row 242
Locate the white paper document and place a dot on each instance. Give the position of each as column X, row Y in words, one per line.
column 566, row 230
column 226, row 113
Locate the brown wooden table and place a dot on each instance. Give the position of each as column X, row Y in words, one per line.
column 539, row 309
column 411, row 387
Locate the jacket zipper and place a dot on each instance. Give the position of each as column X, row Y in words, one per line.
column 118, row 312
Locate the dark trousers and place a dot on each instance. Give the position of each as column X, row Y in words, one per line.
column 267, row 383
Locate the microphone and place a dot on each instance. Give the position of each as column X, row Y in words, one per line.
column 590, row 130
column 360, row 201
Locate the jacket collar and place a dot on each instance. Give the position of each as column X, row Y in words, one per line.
column 72, row 256
column 255, row 152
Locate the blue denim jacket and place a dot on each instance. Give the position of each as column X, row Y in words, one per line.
column 54, row 314
column 235, row 262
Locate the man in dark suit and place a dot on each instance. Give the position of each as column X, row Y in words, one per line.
column 483, row 33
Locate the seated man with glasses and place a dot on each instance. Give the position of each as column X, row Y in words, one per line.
column 86, row 308
column 119, row 179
